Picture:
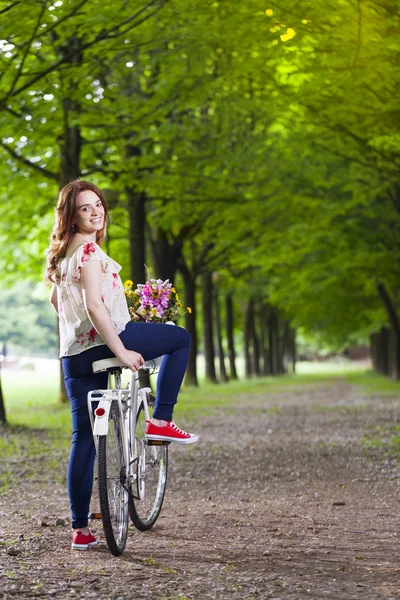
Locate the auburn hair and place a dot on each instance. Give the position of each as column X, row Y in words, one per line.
column 63, row 228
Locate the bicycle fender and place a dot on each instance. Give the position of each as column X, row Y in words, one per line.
column 100, row 426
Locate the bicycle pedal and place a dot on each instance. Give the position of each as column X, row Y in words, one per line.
column 157, row 443
column 94, row 516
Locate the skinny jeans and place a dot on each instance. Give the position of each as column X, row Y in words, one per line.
column 150, row 340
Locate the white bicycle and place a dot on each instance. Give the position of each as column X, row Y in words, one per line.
column 131, row 471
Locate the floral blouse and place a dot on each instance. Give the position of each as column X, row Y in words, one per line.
column 76, row 330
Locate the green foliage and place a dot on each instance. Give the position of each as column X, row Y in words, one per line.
column 265, row 138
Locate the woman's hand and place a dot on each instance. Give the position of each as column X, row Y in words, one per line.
column 132, row 360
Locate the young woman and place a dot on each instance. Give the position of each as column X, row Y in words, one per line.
column 94, row 323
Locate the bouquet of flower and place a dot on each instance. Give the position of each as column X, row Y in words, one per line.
column 155, row 300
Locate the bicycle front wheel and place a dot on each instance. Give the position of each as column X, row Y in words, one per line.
column 151, row 465
column 113, row 494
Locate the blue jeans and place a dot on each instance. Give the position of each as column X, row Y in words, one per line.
column 150, row 340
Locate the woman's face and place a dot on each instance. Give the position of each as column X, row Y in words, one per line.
column 89, row 213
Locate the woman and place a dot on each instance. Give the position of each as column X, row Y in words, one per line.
column 94, row 323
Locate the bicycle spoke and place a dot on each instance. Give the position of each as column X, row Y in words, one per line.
column 112, row 479
column 151, row 478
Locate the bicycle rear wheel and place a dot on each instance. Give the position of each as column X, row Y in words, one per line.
column 113, row 494
column 148, row 490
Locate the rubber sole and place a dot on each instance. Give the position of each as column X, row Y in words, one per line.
column 164, row 438
column 83, row 546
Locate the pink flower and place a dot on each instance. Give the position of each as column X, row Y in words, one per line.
column 92, row 335
column 80, row 339
column 87, row 249
column 115, row 280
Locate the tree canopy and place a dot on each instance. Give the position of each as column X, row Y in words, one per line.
column 264, row 138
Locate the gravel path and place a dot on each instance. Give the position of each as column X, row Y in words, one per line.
column 280, row 499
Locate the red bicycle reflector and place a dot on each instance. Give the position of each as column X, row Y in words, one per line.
column 99, row 412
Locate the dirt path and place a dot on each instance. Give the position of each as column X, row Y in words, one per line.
column 280, row 500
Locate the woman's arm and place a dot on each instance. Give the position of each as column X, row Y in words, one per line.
column 91, row 278
column 53, row 298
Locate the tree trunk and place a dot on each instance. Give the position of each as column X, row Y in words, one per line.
column 284, row 349
column 261, row 327
column 137, row 244
column 256, row 342
column 395, row 325
column 71, row 140
column 70, row 146
column 372, row 345
column 376, row 356
column 208, row 334
column 230, row 336
column 135, row 203
column 247, row 338
column 264, row 336
column 3, row 417
column 294, row 350
column 69, row 170
column 166, row 255
column 221, row 353
column 381, row 351
column 273, row 335
column 190, row 325
column 137, row 228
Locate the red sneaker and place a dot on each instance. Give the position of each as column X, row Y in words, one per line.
column 82, row 542
column 169, row 433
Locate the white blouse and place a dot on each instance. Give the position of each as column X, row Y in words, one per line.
column 76, row 330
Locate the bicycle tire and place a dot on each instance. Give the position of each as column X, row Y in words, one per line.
column 148, row 490
column 113, row 494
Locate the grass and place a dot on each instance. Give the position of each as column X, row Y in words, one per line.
column 387, row 439
column 372, row 383
column 31, row 398
column 39, row 432
column 32, row 405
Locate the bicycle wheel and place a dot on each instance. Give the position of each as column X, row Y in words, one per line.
column 148, row 490
column 113, row 494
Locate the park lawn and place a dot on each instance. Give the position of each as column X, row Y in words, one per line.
column 373, row 384
column 31, row 398
column 38, row 422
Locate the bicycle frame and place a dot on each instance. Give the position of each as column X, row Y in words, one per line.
column 128, row 401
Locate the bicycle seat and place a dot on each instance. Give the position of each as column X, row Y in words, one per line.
column 111, row 364
column 107, row 364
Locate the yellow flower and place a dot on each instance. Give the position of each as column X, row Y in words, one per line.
column 269, row 12
column 177, row 297
column 173, row 290
column 179, row 304
column 189, row 310
column 128, row 284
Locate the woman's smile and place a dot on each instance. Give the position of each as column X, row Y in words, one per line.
column 89, row 214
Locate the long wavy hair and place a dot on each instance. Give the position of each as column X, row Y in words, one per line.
column 64, row 228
